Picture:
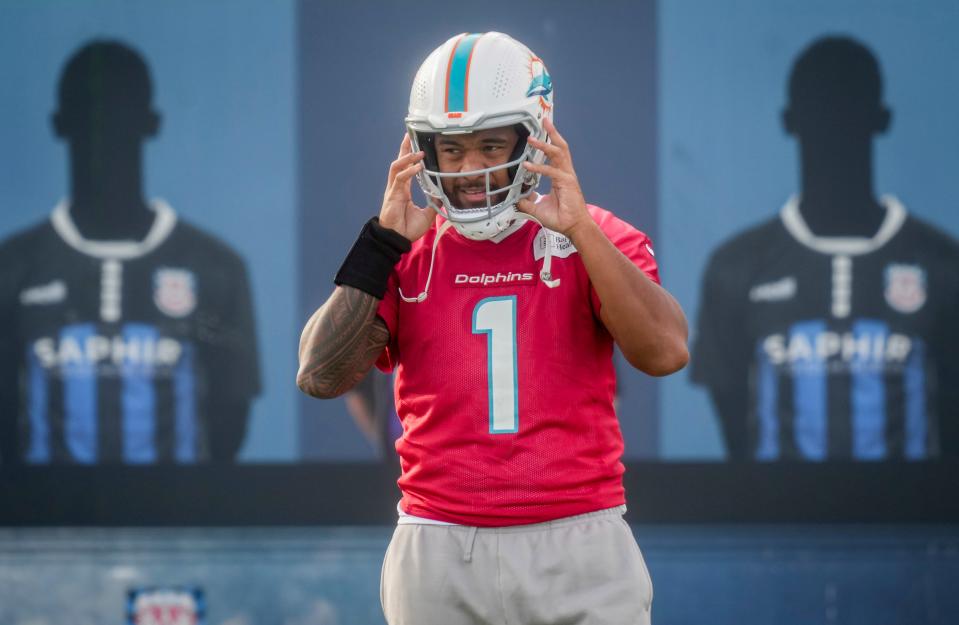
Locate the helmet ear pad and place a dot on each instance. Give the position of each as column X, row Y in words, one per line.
column 426, row 141
column 522, row 133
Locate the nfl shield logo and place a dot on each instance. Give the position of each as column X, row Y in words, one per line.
column 165, row 606
column 174, row 291
column 905, row 287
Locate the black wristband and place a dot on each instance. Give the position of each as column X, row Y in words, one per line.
column 368, row 265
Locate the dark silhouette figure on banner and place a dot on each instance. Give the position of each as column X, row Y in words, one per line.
column 127, row 334
column 829, row 332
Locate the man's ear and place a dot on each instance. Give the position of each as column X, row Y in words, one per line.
column 153, row 123
column 788, row 120
column 59, row 125
column 883, row 120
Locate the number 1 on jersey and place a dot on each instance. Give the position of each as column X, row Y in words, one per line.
column 496, row 318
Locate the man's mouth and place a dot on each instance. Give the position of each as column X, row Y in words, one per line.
column 470, row 195
column 473, row 195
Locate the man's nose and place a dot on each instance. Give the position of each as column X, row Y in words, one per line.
column 472, row 161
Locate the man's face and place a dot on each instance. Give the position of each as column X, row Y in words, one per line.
column 472, row 152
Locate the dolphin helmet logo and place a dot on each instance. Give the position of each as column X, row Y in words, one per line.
column 541, row 84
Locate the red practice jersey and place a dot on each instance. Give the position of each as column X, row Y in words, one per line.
column 505, row 386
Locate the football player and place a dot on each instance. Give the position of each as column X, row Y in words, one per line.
column 499, row 316
column 829, row 331
column 128, row 334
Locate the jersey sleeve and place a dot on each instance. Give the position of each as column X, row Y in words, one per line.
column 719, row 351
column 389, row 313
column 722, row 352
column 634, row 244
column 9, row 363
column 948, row 367
column 230, row 339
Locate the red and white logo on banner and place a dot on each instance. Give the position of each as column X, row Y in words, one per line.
column 905, row 287
column 165, row 606
column 174, row 291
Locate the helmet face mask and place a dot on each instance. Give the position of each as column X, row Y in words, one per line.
column 503, row 85
column 498, row 212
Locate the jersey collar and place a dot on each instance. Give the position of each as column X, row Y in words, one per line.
column 847, row 246
column 163, row 222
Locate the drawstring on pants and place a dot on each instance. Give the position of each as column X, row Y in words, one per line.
column 470, row 539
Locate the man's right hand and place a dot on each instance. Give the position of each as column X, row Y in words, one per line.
column 399, row 212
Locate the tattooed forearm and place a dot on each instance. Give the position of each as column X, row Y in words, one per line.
column 340, row 343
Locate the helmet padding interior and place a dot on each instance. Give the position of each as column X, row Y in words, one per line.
column 523, row 133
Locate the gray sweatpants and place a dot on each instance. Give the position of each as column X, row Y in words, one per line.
column 582, row 570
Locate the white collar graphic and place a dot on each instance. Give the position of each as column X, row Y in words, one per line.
column 847, row 246
column 163, row 222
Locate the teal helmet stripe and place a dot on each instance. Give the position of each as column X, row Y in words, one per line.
column 457, row 81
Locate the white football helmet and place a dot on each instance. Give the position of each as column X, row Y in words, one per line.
column 475, row 82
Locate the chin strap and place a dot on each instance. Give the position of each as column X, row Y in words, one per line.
column 545, row 274
column 422, row 296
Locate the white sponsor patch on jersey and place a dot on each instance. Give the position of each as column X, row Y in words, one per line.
column 649, row 248
column 50, row 293
column 777, row 291
column 562, row 247
column 905, row 287
column 174, row 291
